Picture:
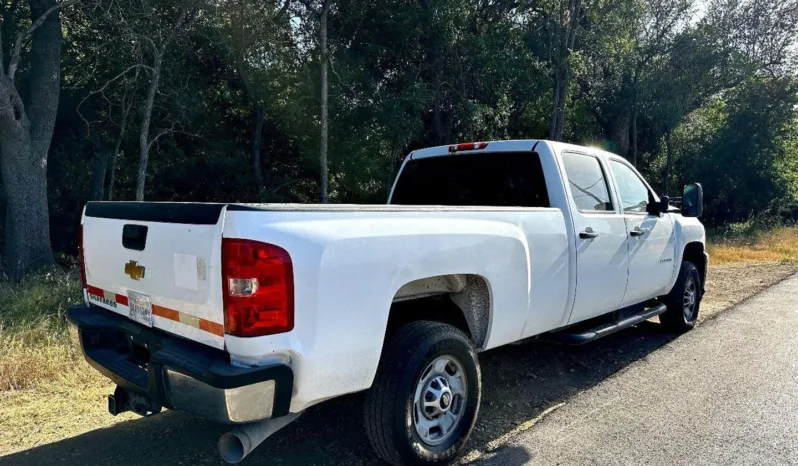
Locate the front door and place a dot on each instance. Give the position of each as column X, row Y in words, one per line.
column 601, row 246
column 651, row 238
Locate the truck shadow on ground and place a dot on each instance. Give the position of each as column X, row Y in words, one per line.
column 519, row 382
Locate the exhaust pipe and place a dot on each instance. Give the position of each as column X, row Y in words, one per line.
column 235, row 445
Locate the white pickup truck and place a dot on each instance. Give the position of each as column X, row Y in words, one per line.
column 250, row 314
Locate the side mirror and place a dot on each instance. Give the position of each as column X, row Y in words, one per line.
column 693, row 200
column 658, row 208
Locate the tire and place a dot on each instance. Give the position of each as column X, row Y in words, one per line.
column 684, row 300
column 420, row 364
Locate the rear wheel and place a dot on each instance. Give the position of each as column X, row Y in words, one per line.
column 684, row 300
column 425, row 398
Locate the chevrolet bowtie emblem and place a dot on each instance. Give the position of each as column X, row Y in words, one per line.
column 134, row 270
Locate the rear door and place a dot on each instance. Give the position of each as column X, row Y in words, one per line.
column 602, row 258
column 158, row 264
column 651, row 237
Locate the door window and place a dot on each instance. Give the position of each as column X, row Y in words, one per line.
column 588, row 184
column 633, row 192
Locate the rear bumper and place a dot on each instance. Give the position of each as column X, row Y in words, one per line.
column 160, row 370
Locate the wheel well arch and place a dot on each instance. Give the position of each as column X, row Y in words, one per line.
column 460, row 300
column 694, row 252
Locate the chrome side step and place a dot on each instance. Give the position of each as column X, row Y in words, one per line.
column 608, row 328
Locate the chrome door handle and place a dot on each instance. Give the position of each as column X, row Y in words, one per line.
column 588, row 234
column 637, row 232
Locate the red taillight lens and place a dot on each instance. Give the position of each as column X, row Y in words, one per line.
column 468, row 146
column 258, row 281
column 82, row 257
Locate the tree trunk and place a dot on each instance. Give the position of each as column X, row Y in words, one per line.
column 669, row 162
column 633, row 149
column 562, row 72
column 620, row 132
column 27, row 229
column 325, row 9
column 556, row 128
column 115, row 154
column 26, row 129
column 112, row 162
column 99, row 169
column 144, row 134
column 256, row 141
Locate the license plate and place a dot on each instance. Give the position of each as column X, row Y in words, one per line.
column 140, row 308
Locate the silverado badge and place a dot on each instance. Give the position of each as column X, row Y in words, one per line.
column 134, row 270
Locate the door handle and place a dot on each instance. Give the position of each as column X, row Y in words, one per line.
column 588, row 234
column 637, row 232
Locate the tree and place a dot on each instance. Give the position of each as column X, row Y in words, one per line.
column 323, row 12
column 26, row 128
column 250, row 36
column 562, row 28
column 159, row 44
column 105, row 156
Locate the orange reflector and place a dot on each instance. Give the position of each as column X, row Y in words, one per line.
column 114, row 299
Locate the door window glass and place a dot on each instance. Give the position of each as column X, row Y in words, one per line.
column 588, row 183
column 631, row 189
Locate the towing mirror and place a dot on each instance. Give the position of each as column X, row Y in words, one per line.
column 657, row 208
column 693, row 200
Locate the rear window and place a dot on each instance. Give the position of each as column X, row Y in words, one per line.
column 505, row 179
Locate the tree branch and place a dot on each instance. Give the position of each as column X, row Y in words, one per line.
column 188, row 16
column 282, row 10
column 22, row 35
column 160, row 134
column 101, row 90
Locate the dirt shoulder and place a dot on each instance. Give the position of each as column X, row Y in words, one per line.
column 69, row 424
column 729, row 284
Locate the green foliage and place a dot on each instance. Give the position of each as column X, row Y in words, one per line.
column 406, row 75
column 744, row 149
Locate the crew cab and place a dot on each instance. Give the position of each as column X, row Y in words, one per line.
column 250, row 314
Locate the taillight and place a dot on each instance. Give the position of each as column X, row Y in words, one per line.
column 82, row 258
column 468, row 146
column 258, row 281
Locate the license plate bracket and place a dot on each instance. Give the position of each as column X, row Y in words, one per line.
column 140, row 308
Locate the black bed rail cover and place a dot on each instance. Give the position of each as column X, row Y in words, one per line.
column 161, row 212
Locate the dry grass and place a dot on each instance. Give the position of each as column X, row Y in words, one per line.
column 776, row 245
column 35, row 344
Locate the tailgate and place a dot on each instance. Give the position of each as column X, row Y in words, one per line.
column 163, row 256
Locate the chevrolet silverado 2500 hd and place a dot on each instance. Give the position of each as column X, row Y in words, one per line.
column 249, row 314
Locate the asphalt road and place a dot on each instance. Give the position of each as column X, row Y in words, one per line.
column 726, row 393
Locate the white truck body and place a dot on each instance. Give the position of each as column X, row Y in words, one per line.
column 514, row 272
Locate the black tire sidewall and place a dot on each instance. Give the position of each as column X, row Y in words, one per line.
column 405, row 437
column 675, row 299
column 697, row 278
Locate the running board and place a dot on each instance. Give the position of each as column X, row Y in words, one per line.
column 608, row 328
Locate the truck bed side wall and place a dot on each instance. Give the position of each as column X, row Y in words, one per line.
column 348, row 267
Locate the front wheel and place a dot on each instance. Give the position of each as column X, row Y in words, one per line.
column 683, row 301
column 425, row 398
